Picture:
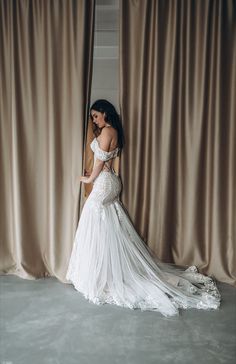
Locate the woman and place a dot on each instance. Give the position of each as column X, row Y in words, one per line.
column 110, row 263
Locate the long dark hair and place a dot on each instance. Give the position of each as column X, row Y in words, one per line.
column 111, row 117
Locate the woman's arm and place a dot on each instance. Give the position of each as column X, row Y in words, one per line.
column 95, row 172
column 105, row 141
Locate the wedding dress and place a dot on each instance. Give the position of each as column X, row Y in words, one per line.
column 110, row 263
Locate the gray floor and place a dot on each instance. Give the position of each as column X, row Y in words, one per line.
column 48, row 322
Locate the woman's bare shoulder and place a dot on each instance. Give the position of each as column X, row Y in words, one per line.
column 109, row 129
column 108, row 138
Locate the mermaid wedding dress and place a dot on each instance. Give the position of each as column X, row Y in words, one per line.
column 110, row 263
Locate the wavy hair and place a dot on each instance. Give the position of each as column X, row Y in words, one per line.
column 111, row 116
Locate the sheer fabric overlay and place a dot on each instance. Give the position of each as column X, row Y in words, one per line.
column 110, row 263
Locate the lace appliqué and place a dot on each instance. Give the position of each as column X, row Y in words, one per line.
column 205, row 287
column 102, row 154
column 106, row 298
column 98, row 208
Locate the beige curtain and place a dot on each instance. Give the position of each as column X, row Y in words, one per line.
column 45, row 76
column 178, row 102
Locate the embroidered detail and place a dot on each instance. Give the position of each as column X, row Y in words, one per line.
column 102, row 154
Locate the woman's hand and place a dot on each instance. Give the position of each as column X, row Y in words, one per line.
column 85, row 179
column 87, row 173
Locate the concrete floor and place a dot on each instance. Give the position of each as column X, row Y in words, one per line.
column 48, row 322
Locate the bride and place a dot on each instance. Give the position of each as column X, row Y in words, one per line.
column 110, row 263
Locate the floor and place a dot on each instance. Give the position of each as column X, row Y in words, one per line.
column 47, row 322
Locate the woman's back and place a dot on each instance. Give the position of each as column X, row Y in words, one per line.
column 112, row 135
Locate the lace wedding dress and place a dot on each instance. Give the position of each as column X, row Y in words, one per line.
column 110, row 263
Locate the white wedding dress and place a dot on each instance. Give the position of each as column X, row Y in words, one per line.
column 110, row 263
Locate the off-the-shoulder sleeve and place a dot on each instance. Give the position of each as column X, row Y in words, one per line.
column 103, row 155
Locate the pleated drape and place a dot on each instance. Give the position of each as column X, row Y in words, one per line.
column 178, row 103
column 45, row 76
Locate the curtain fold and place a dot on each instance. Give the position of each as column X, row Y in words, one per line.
column 46, row 51
column 177, row 98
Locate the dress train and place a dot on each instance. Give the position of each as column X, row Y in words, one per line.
column 110, row 263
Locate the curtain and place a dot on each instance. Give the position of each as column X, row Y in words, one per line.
column 45, row 77
column 177, row 98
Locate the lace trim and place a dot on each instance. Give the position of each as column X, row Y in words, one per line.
column 205, row 286
column 102, row 154
column 105, row 298
column 210, row 297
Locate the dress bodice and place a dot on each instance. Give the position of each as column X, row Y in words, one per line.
column 102, row 154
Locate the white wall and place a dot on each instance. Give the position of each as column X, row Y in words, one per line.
column 105, row 62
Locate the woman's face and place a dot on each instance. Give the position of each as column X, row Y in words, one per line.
column 98, row 118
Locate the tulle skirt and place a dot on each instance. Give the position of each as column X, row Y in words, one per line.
column 110, row 263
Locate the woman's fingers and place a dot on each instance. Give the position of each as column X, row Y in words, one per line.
column 85, row 179
column 87, row 173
